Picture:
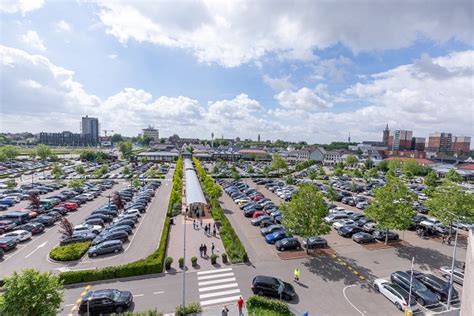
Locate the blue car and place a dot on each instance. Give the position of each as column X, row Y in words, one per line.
column 8, row 202
column 275, row 236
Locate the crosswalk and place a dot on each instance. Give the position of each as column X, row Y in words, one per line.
column 217, row 287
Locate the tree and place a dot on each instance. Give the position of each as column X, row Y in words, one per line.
column 312, row 174
column 383, row 165
column 368, row 163
column 411, row 168
column 126, row 149
column 357, row 173
column 11, row 184
column 76, row 183
column 392, row 207
column 338, row 172
column 322, row 172
column 34, row 200
column 453, row 176
column 351, row 160
column 215, row 170
column 80, row 169
column 10, row 152
column 3, row 157
column 126, row 170
column 57, row 171
column 32, row 293
column 118, row 201
column 117, row 138
column 449, row 203
column 136, row 182
column 66, row 229
column 304, row 214
column 43, row 151
column 266, row 170
column 250, row 169
column 289, row 180
column 331, row 194
column 372, row 172
column 278, row 163
column 431, row 179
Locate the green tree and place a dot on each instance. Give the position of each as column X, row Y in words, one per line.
column 43, row 151
column 312, row 174
column 357, row 173
column 32, row 293
column 250, row 169
column 395, row 164
column 215, row 170
column 136, row 182
column 266, row 170
column 369, row 163
column 126, row 149
column 351, row 160
column 392, row 207
column 57, row 171
column 331, row 194
column 304, row 214
column 11, row 184
column 80, row 169
column 449, row 203
column 431, row 179
column 76, row 183
column 278, row 163
column 290, row 180
column 10, row 152
column 126, row 170
column 338, row 172
column 322, row 173
column 117, row 138
column 453, row 176
column 3, row 157
column 411, row 168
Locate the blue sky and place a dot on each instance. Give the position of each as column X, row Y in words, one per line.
column 295, row 70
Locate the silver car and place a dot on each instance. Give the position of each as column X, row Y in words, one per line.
column 458, row 274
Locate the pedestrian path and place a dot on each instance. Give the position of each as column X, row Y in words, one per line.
column 217, row 287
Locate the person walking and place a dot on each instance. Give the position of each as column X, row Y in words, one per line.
column 297, row 274
column 201, row 249
column 225, row 311
column 213, row 247
column 240, row 305
column 205, row 250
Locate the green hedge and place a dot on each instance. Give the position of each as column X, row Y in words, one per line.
column 70, row 252
column 149, row 265
column 232, row 244
column 192, row 308
column 258, row 305
column 150, row 312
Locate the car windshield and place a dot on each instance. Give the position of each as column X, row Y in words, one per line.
column 116, row 295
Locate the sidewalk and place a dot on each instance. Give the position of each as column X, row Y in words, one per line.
column 217, row 310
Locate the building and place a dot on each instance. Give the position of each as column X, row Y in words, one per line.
column 462, row 144
column 254, row 154
column 421, row 161
column 386, row 133
column 440, row 142
column 334, row 157
column 317, row 154
column 298, row 155
column 152, row 133
column 405, row 154
column 160, row 156
column 400, row 139
column 65, row 138
column 90, row 129
column 418, row 143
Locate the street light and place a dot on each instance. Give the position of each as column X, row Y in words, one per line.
column 452, row 269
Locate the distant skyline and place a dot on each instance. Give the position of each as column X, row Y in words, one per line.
column 301, row 71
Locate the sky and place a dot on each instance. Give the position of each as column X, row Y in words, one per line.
column 310, row 71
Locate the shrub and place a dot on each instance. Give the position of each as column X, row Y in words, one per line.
column 194, row 261
column 181, row 262
column 188, row 309
column 69, row 252
column 258, row 302
column 168, row 262
column 224, row 258
column 150, row 312
column 214, row 259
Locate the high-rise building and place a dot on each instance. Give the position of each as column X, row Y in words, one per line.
column 440, row 142
column 399, row 140
column 418, row 143
column 153, row 133
column 90, row 129
column 462, row 144
column 386, row 133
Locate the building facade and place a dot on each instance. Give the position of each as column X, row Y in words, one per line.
column 400, row 140
column 90, row 129
column 418, row 143
column 153, row 133
column 65, row 138
column 462, row 144
column 386, row 134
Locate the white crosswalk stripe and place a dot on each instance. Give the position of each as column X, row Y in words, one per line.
column 217, row 287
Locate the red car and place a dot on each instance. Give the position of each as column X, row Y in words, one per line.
column 258, row 214
column 70, row 206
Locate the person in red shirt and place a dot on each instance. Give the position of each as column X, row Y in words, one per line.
column 240, row 305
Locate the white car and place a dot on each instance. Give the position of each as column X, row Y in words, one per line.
column 458, row 274
column 396, row 294
column 335, row 217
column 343, row 222
column 133, row 211
column 430, row 222
column 18, row 235
column 84, row 228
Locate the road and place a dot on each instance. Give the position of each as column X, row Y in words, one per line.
column 35, row 253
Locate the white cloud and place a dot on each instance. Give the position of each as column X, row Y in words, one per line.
column 304, row 99
column 232, row 33
column 238, row 109
column 112, row 56
column 63, row 26
column 279, row 84
column 32, row 39
column 333, row 68
column 22, row 6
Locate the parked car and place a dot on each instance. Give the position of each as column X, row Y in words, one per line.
column 343, row 222
column 290, row 243
column 396, row 294
column 124, row 228
column 7, row 225
column 96, row 229
column 258, row 220
column 111, row 235
column 271, row 286
column 381, row 235
column 315, row 242
column 109, row 246
column 46, row 220
column 348, row 231
column 78, row 237
column 436, row 285
column 275, row 236
column 271, row 229
column 419, row 290
column 34, row 228
column 18, row 235
column 458, row 274
column 105, row 301
column 363, row 238
column 7, row 243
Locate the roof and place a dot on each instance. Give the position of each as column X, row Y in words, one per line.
column 158, row 153
column 421, row 161
column 193, row 187
column 188, row 165
column 469, row 166
column 252, row 151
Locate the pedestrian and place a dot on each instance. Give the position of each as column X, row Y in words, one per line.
column 201, row 249
column 205, row 229
column 205, row 250
column 297, row 274
column 212, row 248
column 443, row 239
column 214, row 232
column 194, row 224
column 240, row 305
column 449, row 241
column 200, row 220
column 225, row 311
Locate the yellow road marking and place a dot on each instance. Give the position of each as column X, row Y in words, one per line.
column 355, row 272
column 343, row 263
column 70, row 314
column 361, row 277
column 78, row 300
column 88, row 287
column 83, row 293
column 73, row 308
column 349, row 267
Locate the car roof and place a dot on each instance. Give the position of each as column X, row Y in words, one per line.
column 266, row 279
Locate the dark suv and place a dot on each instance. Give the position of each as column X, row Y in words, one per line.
column 418, row 289
column 270, row 286
column 106, row 301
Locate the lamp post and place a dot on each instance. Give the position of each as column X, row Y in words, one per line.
column 184, row 264
column 450, row 292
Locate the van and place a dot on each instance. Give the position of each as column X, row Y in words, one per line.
column 46, row 204
column 16, row 216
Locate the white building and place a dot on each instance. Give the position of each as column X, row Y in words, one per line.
column 152, row 133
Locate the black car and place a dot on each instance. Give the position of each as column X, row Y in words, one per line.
column 105, row 212
column 95, row 221
column 111, row 235
column 363, row 238
column 271, row 286
column 267, row 222
column 109, row 246
column 416, row 220
column 105, row 218
column 7, row 243
column 113, row 228
column 78, row 237
column 315, row 242
column 123, row 221
column 364, row 220
column 348, row 231
column 258, row 220
column 423, row 295
column 438, row 286
column 381, row 234
column 33, row 228
column 1, row 253
column 290, row 243
column 46, row 220
column 271, row 229
column 105, row 301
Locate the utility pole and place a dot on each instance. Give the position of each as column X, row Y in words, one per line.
column 452, row 270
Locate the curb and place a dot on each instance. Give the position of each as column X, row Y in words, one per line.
column 132, row 278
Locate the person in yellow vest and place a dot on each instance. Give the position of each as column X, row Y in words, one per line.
column 297, row 274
